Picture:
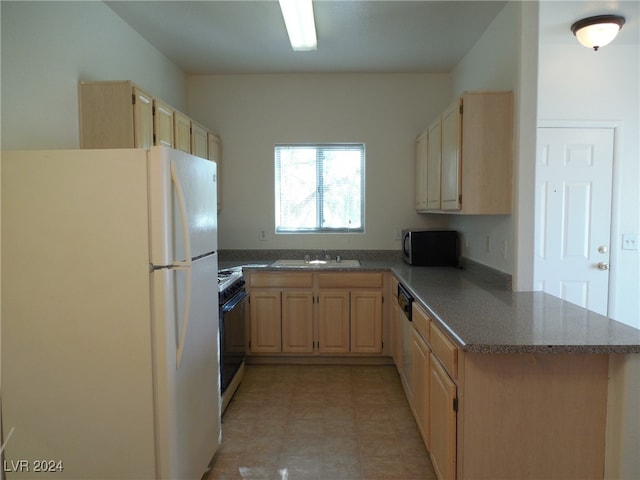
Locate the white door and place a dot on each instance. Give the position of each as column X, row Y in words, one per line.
column 573, row 214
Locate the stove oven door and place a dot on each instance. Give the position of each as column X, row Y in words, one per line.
column 232, row 337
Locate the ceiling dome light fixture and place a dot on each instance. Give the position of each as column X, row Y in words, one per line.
column 598, row 31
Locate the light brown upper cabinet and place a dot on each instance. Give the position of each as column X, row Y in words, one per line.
column 434, row 159
column 199, row 142
column 182, row 132
column 421, row 171
column 162, row 124
column 469, row 155
column 119, row 114
column 115, row 115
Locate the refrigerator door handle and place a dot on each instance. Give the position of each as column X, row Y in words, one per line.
column 183, row 214
column 186, row 265
column 185, row 314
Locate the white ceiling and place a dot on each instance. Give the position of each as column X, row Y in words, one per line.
column 241, row 36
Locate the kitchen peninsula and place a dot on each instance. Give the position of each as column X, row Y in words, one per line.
column 512, row 384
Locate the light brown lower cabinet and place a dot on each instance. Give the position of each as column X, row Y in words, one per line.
column 420, row 385
column 366, row 321
column 266, row 321
column 333, row 322
column 297, row 321
column 281, row 321
column 532, row 416
column 520, row 416
column 395, row 326
column 512, row 416
column 308, row 312
column 396, row 334
column 442, row 421
column 507, row 415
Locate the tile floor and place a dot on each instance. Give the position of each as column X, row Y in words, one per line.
column 309, row 422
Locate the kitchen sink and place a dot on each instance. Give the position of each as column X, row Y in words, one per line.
column 316, row 263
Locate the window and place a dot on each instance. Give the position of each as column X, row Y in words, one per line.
column 319, row 188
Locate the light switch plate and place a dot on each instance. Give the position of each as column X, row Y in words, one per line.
column 629, row 241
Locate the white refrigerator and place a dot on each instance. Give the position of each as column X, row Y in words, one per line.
column 109, row 314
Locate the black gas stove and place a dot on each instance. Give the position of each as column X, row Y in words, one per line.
column 230, row 281
column 232, row 297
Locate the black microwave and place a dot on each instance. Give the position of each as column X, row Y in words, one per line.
column 430, row 247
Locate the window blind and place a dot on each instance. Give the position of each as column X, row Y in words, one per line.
column 319, row 188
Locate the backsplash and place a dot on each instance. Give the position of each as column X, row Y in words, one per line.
column 475, row 270
column 271, row 255
column 486, row 275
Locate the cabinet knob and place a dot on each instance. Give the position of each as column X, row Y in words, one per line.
column 603, row 266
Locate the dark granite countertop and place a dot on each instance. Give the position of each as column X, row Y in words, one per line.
column 483, row 316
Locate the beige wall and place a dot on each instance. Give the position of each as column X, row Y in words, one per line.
column 579, row 85
column 254, row 112
column 492, row 64
column 47, row 47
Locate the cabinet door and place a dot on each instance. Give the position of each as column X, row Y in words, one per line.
column 297, row 321
column 421, row 171
column 396, row 334
column 451, row 157
column 434, row 160
column 106, row 116
column 420, row 393
column 266, row 323
column 142, row 119
column 182, row 132
column 162, row 124
column 199, row 142
column 333, row 322
column 442, row 426
column 215, row 155
column 366, row 322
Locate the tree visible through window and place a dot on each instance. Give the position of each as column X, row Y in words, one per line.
column 319, row 188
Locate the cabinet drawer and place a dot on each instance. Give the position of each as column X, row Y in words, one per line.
column 350, row 280
column 281, row 279
column 421, row 321
column 445, row 350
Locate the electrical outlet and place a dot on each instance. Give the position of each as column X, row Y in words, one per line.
column 397, row 234
column 262, row 234
column 629, row 241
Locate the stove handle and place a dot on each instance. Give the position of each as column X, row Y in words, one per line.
column 234, row 301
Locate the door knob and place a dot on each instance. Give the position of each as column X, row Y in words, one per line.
column 603, row 249
column 603, row 266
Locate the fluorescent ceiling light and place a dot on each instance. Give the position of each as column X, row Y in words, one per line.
column 298, row 17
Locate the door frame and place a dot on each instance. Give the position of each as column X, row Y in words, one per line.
column 615, row 189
